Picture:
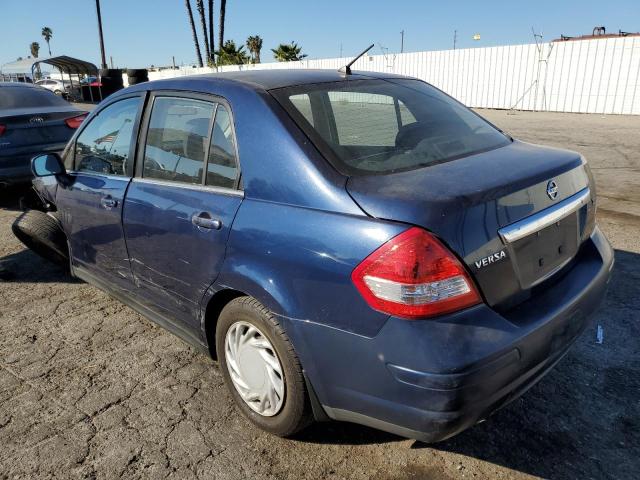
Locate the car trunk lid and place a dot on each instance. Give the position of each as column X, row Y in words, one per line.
column 36, row 127
column 475, row 203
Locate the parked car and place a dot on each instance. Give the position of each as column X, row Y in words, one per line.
column 91, row 81
column 32, row 121
column 56, row 86
column 355, row 247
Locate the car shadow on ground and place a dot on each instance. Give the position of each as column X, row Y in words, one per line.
column 581, row 421
column 10, row 196
column 343, row 433
column 25, row 266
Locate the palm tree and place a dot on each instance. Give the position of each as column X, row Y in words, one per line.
column 193, row 31
column 35, row 50
column 288, row 52
column 212, row 60
column 203, row 21
column 229, row 54
column 223, row 11
column 254, row 44
column 47, row 33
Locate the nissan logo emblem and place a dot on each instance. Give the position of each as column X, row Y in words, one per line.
column 552, row 190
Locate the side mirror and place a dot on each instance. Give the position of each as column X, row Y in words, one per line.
column 47, row 165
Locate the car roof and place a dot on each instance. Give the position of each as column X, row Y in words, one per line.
column 271, row 79
column 19, row 84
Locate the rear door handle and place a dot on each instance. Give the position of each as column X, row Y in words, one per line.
column 108, row 202
column 204, row 220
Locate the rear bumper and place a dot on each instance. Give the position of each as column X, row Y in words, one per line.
column 431, row 379
column 15, row 167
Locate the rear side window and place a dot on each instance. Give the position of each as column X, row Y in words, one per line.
column 105, row 143
column 177, row 139
column 369, row 127
column 302, row 102
column 29, row 97
column 222, row 168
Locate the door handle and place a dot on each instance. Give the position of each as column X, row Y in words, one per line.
column 204, row 220
column 108, row 202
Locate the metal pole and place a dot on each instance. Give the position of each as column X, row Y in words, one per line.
column 402, row 41
column 103, row 56
column 111, row 61
column 455, row 38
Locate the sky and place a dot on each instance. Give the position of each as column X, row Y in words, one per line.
column 140, row 33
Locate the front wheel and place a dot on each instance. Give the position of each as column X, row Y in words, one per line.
column 261, row 369
column 42, row 234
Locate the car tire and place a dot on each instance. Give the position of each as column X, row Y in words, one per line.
column 42, row 234
column 295, row 412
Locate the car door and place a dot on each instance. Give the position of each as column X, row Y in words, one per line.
column 177, row 218
column 90, row 198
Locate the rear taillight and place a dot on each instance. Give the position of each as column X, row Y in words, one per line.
column 2, row 129
column 75, row 122
column 413, row 275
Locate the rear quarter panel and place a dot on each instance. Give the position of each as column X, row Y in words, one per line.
column 298, row 262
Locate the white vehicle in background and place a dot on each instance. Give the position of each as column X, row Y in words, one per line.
column 56, row 86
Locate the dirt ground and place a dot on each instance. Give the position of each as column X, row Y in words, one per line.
column 88, row 388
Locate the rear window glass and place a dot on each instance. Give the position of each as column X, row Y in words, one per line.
column 28, row 97
column 384, row 126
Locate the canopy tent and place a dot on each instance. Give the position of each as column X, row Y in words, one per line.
column 69, row 65
column 63, row 63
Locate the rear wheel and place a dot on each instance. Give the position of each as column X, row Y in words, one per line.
column 261, row 369
column 42, row 234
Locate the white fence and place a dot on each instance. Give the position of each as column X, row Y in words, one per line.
column 585, row 76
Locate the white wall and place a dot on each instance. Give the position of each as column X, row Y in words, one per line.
column 587, row 76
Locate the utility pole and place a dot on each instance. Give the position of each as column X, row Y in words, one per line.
column 173, row 59
column 455, row 38
column 104, row 58
column 402, row 41
column 111, row 61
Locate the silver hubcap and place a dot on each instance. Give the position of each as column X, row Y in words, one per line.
column 254, row 367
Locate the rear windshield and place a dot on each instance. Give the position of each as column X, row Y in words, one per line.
column 27, row 97
column 369, row 127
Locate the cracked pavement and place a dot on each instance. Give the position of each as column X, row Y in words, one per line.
column 89, row 389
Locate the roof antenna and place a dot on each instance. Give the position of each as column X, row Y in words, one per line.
column 347, row 68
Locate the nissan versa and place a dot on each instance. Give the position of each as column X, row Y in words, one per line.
column 351, row 246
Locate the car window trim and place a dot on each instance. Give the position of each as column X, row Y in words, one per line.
column 133, row 147
column 191, row 186
column 144, row 128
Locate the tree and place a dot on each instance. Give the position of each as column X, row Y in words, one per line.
column 193, row 31
column 229, row 54
column 203, row 21
column 47, row 33
column 212, row 60
column 254, row 44
column 223, row 11
column 35, row 49
column 288, row 52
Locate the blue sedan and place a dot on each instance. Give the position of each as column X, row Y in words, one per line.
column 349, row 246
